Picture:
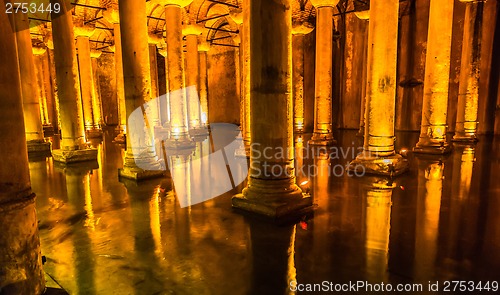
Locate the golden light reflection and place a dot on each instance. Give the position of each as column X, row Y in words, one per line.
column 430, row 189
column 155, row 218
column 377, row 228
column 90, row 221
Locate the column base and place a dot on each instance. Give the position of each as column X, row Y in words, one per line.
column 121, row 138
column 465, row 138
column 94, row 133
column 75, row 156
column 274, row 203
column 48, row 130
column 322, row 139
column 179, row 144
column 388, row 166
column 433, row 149
column 138, row 174
column 198, row 132
column 142, row 167
column 161, row 132
column 38, row 147
column 20, row 258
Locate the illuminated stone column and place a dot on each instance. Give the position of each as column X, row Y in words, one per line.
column 203, row 48
column 437, row 78
column 378, row 156
column 31, row 106
column 298, row 31
column 192, row 75
column 179, row 136
column 243, row 20
column 41, row 92
column 96, row 98
column 154, row 40
column 165, row 103
column 468, row 95
column 49, row 74
column 271, row 189
column 73, row 145
column 111, row 14
column 83, row 33
column 20, row 259
column 237, row 71
column 323, row 117
column 140, row 152
column 363, row 14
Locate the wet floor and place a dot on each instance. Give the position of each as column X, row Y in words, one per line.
column 438, row 222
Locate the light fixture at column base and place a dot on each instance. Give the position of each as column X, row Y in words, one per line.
column 94, row 133
column 276, row 209
column 322, row 139
column 388, row 166
column 465, row 138
column 138, row 174
column 74, row 156
column 434, row 149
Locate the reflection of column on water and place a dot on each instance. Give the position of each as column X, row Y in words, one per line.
column 273, row 250
column 146, row 233
column 460, row 220
column 430, row 189
column 80, row 199
column 377, row 228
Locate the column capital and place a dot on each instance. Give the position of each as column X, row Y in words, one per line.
column 204, row 46
column 81, row 29
column 302, row 28
column 364, row 14
column 94, row 53
column 111, row 14
column 237, row 16
column 38, row 49
column 162, row 48
column 191, row 30
column 237, row 39
column 181, row 3
column 154, row 39
column 323, row 3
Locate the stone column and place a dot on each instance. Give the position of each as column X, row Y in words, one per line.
column 41, row 92
column 299, row 30
column 165, row 103
column 192, row 74
column 97, row 100
column 363, row 15
column 140, row 157
column 83, row 33
column 20, row 259
column 468, row 95
column 154, row 40
column 237, row 71
column 31, row 106
column 323, row 117
column 379, row 156
column 111, row 14
column 73, row 145
column 245, row 32
column 203, row 48
column 179, row 137
column 437, row 78
column 271, row 189
column 49, row 75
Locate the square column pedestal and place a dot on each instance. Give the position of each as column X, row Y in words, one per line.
column 276, row 199
column 368, row 163
column 74, row 156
